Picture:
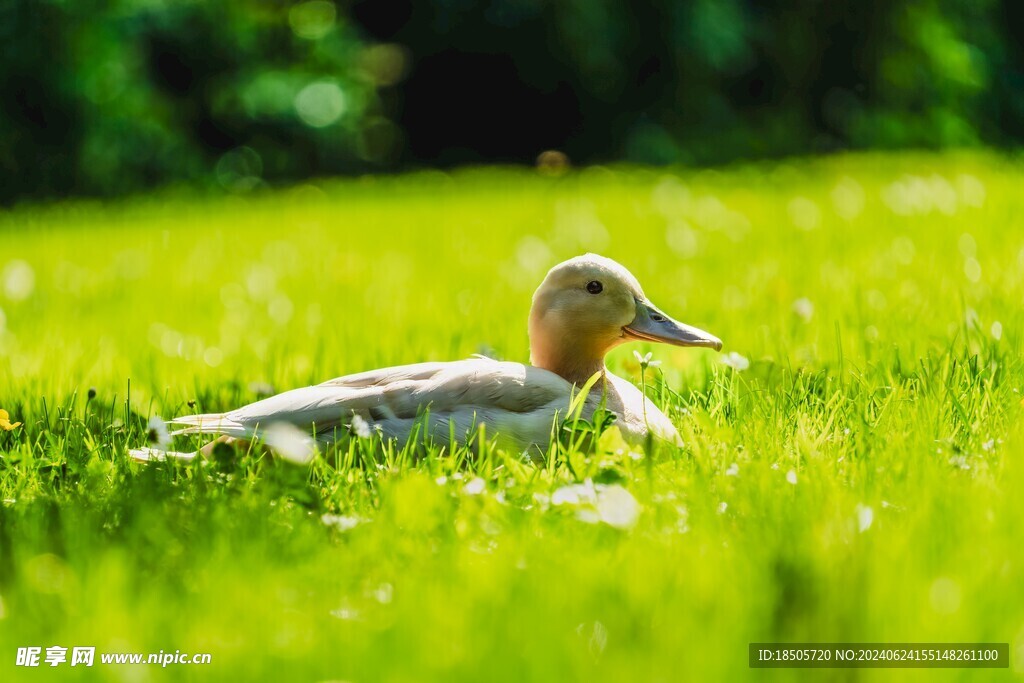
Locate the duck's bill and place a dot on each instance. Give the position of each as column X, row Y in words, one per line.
column 651, row 324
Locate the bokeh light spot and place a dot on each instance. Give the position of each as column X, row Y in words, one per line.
column 19, row 280
column 312, row 20
column 386, row 64
column 320, row 104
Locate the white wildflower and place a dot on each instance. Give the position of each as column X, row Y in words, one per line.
column 617, row 507
column 383, row 593
column 158, row 434
column 360, row 427
column 613, row 505
column 804, row 309
column 959, row 461
column 345, row 613
column 736, row 361
column 575, row 494
column 290, row 442
column 733, row 471
column 645, row 360
column 791, row 477
column 340, row 522
column 474, row 487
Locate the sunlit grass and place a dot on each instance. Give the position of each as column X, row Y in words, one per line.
column 851, row 474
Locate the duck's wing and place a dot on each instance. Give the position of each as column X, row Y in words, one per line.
column 514, row 401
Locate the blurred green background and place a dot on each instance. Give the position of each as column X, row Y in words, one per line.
column 106, row 97
column 855, row 478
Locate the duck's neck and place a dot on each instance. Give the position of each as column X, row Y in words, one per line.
column 569, row 366
column 563, row 348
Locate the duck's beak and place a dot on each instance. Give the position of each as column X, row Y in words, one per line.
column 653, row 325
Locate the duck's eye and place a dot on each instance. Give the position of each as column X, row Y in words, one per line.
column 594, row 287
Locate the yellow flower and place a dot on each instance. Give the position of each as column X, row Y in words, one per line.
column 5, row 421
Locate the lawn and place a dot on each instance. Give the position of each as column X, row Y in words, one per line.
column 853, row 477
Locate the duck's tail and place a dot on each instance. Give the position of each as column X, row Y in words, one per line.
column 209, row 423
column 157, row 455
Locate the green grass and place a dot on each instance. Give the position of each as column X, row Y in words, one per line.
column 859, row 481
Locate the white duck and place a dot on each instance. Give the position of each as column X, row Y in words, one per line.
column 585, row 307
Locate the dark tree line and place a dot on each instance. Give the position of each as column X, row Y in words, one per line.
column 112, row 96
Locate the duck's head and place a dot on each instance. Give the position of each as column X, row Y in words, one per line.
column 587, row 306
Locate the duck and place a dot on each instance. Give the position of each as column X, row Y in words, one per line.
column 584, row 307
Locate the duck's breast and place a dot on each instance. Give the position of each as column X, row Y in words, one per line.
column 637, row 415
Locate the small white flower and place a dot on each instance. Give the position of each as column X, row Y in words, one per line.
column 613, row 505
column 865, row 516
column 360, row 428
column 617, row 507
column 733, row 471
column 290, row 442
column 791, row 477
column 383, row 593
column 441, row 481
column 988, row 445
column 575, row 494
column 804, row 309
column 474, row 487
column 997, row 330
column 960, row 462
column 345, row 613
column 340, row 522
column 645, row 360
column 158, row 434
column 722, row 507
column 736, row 361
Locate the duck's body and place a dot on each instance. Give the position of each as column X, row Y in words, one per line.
column 517, row 404
column 585, row 307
